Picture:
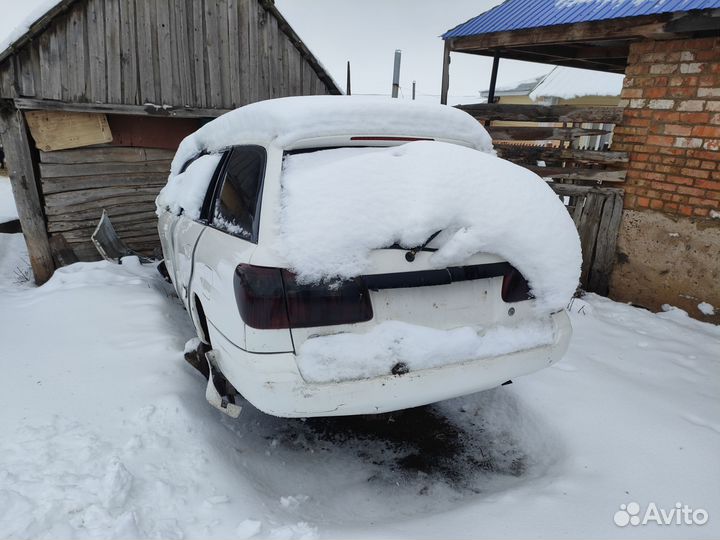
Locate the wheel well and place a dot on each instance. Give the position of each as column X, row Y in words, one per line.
column 200, row 312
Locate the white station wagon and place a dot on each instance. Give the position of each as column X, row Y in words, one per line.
column 263, row 328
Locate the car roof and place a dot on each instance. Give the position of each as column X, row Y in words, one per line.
column 286, row 122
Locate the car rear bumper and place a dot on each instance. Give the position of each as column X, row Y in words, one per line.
column 273, row 384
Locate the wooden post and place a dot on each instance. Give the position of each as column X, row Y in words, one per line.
column 445, row 73
column 493, row 77
column 16, row 144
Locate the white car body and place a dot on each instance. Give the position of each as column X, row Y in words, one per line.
column 202, row 258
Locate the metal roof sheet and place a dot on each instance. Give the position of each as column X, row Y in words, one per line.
column 523, row 14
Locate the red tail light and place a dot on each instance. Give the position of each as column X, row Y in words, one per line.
column 515, row 287
column 271, row 298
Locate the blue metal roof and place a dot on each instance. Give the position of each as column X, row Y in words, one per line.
column 522, row 14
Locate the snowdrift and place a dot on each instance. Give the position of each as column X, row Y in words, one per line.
column 339, row 205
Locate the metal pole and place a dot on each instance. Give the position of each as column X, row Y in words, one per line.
column 413, row 90
column 396, row 74
column 347, row 84
column 493, row 77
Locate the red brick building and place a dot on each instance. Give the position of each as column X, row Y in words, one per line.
column 668, row 132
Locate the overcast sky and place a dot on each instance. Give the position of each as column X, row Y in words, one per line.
column 367, row 32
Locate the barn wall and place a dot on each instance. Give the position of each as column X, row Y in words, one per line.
column 123, row 177
column 197, row 53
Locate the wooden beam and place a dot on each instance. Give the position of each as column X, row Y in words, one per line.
column 445, row 73
column 137, row 110
column 543, row 113
column 629, row 27
column 21, row 168
column 493, row 77
column 567, row 173
column 518, row 133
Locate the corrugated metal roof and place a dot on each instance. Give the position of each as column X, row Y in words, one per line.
column 521, row 14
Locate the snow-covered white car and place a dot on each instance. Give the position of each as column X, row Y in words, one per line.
column 341, row 255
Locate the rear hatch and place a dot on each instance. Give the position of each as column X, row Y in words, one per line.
column 403, row 285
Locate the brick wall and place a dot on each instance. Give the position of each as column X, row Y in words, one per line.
column 671, row 126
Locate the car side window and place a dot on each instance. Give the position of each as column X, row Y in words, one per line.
column 236, row 207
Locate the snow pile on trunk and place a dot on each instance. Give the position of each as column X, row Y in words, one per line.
column 287, row 120
column 343, row 357
column 338, row 206
column 185, row 191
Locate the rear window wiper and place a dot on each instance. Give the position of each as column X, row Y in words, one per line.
column 410, row 255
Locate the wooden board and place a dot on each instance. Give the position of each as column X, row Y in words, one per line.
column 596, row 213
column 544, row 113
column 57, row 130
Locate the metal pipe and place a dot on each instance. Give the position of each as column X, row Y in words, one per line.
column 396, row 74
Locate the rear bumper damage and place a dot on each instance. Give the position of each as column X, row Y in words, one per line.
column 273, row 383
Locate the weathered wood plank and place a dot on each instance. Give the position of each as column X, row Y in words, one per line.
column 128, row 48
column 251, row 10
column 24, row 63
column 572, row 190
column 102, row 154
column 147, row 47
column 235, row 42
column 99, row 196
column 91, row 212
column 183, row 53
column 212, row 46
column 164, row 51
column 143, row 227
column 54, row 170
column 17, row 146
column 602, row 264
column 57, row 130
column 113, row 55
column 49, row 60
column 63, row 253
column 244, row 48
column 141, row 110
column 97, row 83
column 8, row 88
column 536, row 153
column 76, row 49
column 64, row 60
column 199, row 53
column 224, row 53
column 521, row 133
column 264, row 53
column 543, row 113
column 58, row 224
column 568, row 173
column 61, row 185
column 588, row 229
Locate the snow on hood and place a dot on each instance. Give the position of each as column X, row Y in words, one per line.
column 339, row 205
column 287, row 120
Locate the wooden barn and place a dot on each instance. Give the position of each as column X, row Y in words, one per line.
column 97, row 94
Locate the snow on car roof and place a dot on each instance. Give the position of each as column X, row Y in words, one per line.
column 286, row 121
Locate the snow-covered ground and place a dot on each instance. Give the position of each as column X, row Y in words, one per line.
column 8, row 211
column 104, row 431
